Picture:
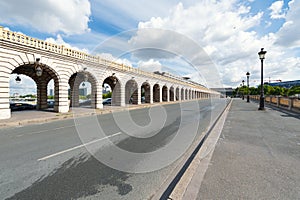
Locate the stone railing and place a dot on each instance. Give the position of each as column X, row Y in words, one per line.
column 284, row 102
column 25, row 40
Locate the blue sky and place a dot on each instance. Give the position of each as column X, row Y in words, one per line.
column 230, row 31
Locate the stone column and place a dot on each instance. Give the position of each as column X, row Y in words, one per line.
column 160, row 93
column 4, row 93
column 41, row 94
column 150, row 94
column 61, row 96
column 139, row 95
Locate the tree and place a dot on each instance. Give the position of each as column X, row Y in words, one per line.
column 293, row 90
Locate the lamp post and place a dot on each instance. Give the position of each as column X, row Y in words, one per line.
column 38, row 69
column 261, row 55
column 243, row 81
column 248, row 98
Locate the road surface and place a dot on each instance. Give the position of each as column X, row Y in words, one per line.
column 64, row 159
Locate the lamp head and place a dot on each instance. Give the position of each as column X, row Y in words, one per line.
column 18, row 79
column 262, row 54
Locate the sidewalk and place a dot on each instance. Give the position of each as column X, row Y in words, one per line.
column 256, row 157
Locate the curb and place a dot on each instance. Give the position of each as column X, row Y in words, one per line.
column 167, row 188
column 70, row 114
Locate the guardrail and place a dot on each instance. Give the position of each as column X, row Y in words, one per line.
column 279, row 101
column 25, row 40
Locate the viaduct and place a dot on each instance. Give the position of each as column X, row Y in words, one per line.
column 43, row 61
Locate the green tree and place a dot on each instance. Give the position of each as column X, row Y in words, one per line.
column 107, row 95
column 294, row 90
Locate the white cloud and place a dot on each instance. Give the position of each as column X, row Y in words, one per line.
column 288, row 35
column 52, row 16
column 276, row 10
column 110, row 57
column 59, row 41
column 150, row 65
column 224, row 29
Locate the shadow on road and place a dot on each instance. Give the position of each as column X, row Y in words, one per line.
column 77, row 177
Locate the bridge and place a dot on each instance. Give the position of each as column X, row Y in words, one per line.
column 68, row 68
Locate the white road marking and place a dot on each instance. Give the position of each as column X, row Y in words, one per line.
column 43, row 131
column 77, row 147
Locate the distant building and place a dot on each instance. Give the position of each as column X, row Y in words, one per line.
column 224, row 91
column 82, row 91
column 286, row 84
column 51, row 92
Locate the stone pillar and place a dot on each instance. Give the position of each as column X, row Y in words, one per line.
column 139, row 95
column 4, row 95
column 61, row 96
column 168, row 95
column 150, row 95
column 41, row 94
column 98, row 97
column 160, row 94
column 122, row 95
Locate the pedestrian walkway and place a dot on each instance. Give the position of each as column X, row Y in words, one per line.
column 256, row 157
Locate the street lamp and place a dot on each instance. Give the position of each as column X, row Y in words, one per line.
column 18, row 79
column 261, row 55
column 38, row 69
column 243, row 81
column 248, row 98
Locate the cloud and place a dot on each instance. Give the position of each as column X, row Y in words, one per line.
column 51, row 16
column 288, row 35
column 59, row 41
column 276, row 10
column 225, row 30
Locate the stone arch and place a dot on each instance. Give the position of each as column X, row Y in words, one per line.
column 182, row 94
column 186, row 94
column 164, row 93
column 156, row 93
column 146, row 92
column 177, row 94
column 42, row 80
column 171, row 94
column 131, row 92
column 115, row 84
column 74, row 82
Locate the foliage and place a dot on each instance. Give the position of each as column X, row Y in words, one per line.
column 293, row 90
column 268, row 90
column 107, row 95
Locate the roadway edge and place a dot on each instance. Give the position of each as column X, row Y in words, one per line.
column 179, row 180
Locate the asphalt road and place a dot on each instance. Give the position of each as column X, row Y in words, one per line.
column 124, row 155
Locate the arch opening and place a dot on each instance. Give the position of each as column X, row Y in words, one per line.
column 145, row 93
column 34, row 83
column 131, row 92
column 82, row 90
column 171, row 94
column 177, row 96
column 156, row 93
column 113, row 86
column 165, row 93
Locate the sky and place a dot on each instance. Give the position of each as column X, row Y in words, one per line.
column 230, row 33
